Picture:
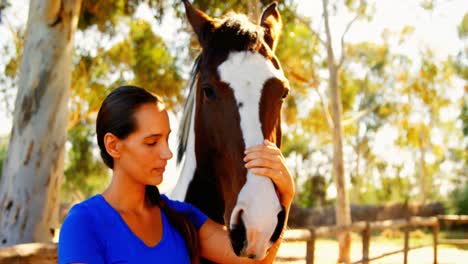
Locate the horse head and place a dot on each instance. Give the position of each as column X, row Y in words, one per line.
column 235, row 103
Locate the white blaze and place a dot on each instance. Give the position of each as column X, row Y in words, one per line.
column 246, row 73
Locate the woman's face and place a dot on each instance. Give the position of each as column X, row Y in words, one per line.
column 145, row 152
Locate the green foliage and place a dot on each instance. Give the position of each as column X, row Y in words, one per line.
column 105, row 14
column 313, row 192
column 148, row 58
column 459, row 200
column 463, row 27
column 464, row 117
column 428, row 4
column 391, row 190
column 370, row 55
column 296, row 51
column 217, row 8
column 141, row 59
column 295, row 142
column 85, row 174
column 460, row 64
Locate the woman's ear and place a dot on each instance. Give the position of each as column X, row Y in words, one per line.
column 112, row 144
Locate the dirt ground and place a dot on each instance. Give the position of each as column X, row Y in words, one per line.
column 326, row 252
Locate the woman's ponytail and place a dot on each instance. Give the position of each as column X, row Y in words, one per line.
column 178, row 221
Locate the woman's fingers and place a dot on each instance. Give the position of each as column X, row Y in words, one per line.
column 267, row 160
column 260, row 155
column 266, row 147
column 263, row 163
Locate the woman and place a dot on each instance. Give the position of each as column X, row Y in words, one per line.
column 130, row 222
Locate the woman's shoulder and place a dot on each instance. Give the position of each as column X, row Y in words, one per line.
column 80, row 234
column 90, row 211
column 85, row 208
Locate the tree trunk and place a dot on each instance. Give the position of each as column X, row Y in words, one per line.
column 357, row 176
column 33, row 168
column 422, row 167
column 342, row 208
column 253, row 10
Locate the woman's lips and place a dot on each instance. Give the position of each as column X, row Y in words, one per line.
column 160, row 169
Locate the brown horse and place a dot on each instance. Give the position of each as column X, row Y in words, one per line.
column 235, row 102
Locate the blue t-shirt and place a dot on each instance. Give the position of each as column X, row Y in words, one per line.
column 94, row 232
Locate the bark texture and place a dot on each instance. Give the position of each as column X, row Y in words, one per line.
column 33, row 168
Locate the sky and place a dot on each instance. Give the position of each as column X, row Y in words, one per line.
column 436, row 30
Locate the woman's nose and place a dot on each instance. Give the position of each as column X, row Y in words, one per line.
column 166, row 153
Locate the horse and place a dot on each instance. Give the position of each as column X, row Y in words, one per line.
column 235, row 100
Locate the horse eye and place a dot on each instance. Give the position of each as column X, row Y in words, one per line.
column 285, row 94
column 209, row 92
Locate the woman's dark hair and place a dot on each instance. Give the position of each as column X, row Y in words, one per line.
column 117, row 116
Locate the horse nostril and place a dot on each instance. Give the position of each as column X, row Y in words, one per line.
column 238, row 236
column 252, row 256
column 279, row 226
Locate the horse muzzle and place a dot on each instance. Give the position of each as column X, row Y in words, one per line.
column 257, row 219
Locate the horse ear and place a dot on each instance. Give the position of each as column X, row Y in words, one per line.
column 201, row 23
column 271, row 22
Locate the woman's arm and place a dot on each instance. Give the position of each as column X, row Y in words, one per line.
column 216, row 246
column 265, row 160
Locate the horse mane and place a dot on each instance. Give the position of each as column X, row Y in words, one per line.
column 235, row 33
column 184, row 126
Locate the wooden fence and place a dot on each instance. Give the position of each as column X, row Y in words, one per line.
column 43, row 253
column 365, row 230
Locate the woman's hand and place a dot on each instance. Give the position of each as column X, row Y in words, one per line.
column 267, row 160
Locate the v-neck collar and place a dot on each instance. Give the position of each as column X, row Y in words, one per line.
column 164, row 224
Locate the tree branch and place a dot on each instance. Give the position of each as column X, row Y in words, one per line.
column 299, row 77
column 307, row 24
column 361, row 114
column 325, row 111
column 314, row 85
column 78, row 117
column 329, row 44
column 343, row 57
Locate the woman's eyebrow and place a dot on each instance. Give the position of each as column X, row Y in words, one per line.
column 158, row 135
column 153, row 135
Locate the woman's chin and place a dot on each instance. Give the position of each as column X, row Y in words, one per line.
column 156, row 179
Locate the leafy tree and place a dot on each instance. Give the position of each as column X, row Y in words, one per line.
column 85, row 174
column 459, row 196
column 314, row 192
column 334, row 119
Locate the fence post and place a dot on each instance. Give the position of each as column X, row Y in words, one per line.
column 406, row 246
column 435, row 231
column 310, row 254
column 365, row 243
